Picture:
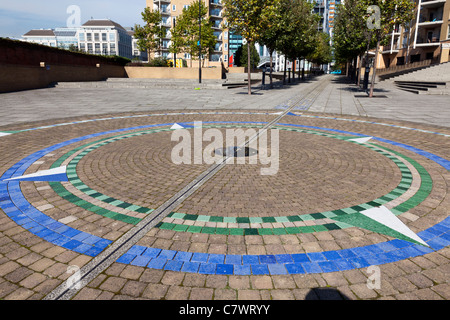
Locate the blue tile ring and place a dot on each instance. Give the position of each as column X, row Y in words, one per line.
column 14, row 204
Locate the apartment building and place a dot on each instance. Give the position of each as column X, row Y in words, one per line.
column 426, row 37
column 171, row 9
column 96, row 36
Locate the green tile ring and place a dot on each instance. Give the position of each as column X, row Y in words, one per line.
column 394, row 156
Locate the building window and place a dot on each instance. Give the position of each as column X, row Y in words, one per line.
column 448, row 32
column 174, row 7
column 90, row 48
column 89, row 36
column 96, row 37
column 112, row 37
column 104, row 37
column 97, row 48
column 82, row 36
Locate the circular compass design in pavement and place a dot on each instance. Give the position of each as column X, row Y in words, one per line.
column 123, row 175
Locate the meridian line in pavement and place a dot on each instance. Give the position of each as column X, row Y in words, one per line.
column 101, row 262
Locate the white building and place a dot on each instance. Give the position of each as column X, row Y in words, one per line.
column 41, row 36
column 102, row 37
column 105, row 37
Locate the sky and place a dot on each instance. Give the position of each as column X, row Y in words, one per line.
column 17, row 17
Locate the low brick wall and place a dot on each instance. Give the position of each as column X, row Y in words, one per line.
column 25, row 66
column 172, row 73
column 15, row 77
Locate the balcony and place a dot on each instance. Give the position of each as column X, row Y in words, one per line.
column 430, row 41
column 218, row 35
column 431, row 15
column 391, row 49
column 215, row 13
column 165, row 11
column 433, row 3
column 166, row 22
column 216, row 3
column 161, row 1
column 216, row 25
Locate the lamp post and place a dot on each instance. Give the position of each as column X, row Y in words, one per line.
column 199, row 41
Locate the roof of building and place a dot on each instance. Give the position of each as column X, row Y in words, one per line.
column 102, row 23
column 40, row 33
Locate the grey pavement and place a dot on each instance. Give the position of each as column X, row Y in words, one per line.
column 316, row 175
column 338, row 97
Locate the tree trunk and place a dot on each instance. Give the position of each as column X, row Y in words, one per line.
column 271, row 67
column 249, row 69
column 374, row 72
column 293, row 69
column 359, row 70
column 284, row 72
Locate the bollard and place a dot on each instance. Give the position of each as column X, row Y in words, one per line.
column 366, row 79
column 263, row 82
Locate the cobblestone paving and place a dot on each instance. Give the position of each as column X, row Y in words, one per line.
column 241, row 235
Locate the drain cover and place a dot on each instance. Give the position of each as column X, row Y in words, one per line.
column 236, row 152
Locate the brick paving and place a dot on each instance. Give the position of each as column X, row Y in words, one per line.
column 317, row 174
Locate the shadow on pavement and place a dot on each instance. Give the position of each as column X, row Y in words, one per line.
column 325, row 294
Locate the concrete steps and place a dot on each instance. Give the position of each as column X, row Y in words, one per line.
column 423, row 87
column 233, row 82
column 398, row 74
column 434, row 73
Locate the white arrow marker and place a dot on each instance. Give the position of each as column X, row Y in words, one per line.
column 56, row 174
column 384, row 216
column 2, row 134
column 176, row 126
column 361, row 140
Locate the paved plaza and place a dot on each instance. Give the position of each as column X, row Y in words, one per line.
column 92, row 205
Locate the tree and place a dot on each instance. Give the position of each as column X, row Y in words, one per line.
column 298, row 25
column 351, row 38
column 322, row 52
column 382, row 16
column 150, row 35
column 185, row 34
column 269, row 35
column 249, row 18
column 242, row 58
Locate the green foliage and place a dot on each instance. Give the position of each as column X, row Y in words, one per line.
column 299, row 26
column 249, row 18
column 241, row 56
column 351, row 35
column 119, row 60
column 322, row 51
column 149, row 36
column 185, row 34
